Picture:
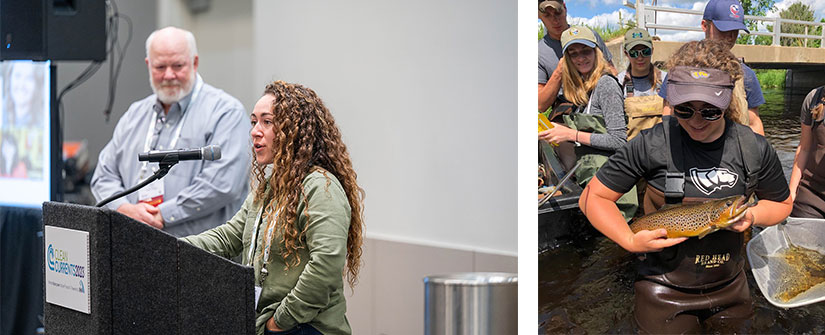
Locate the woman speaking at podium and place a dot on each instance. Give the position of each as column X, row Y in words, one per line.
column 301, row 225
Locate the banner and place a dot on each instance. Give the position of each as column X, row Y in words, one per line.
column 67, row 268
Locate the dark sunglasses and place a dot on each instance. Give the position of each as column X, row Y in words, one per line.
column 646, row 52
column 585, row 52
column 708, row 113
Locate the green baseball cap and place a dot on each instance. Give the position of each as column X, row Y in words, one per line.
column 637, row 36
column 577, row 34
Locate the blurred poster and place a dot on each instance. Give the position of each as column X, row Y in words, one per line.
column 24, row 132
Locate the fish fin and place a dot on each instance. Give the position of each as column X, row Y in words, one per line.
column 752, row 201
column 706, row 232
column 668, row 206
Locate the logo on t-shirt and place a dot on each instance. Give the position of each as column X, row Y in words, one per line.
column 710, row 180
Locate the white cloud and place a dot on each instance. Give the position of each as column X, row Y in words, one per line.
column 674, row 19
column 600, row 3
column 817, row 5
column 603, row 20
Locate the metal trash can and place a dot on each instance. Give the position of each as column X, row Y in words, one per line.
column 471, row 303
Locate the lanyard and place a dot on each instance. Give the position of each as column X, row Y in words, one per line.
column 176, row 136
column 254, row 237
column 254, row 243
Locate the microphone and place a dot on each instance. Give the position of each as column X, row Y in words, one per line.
column 207, row 153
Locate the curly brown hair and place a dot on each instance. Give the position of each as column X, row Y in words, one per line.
column 306, row 140
column 715, row 55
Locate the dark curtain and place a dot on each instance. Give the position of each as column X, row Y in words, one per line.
column 21, row 270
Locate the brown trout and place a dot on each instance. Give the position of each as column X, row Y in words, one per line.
column 697, row 219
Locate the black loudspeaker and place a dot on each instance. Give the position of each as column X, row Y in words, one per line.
column 53, row 29
column 76, row 29
column 22, row 29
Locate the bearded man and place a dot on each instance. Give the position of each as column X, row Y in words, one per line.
column 183, row 112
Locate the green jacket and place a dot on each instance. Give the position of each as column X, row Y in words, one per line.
column 311, row 292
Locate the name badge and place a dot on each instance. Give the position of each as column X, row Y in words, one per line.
column 152, row 194
column 258, row 290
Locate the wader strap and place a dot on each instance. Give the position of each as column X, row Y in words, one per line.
column 628, row 81
column 812, row 108
column 561, row 107
column 750, row 158
column 817, row 98
column 674, row 179
column 628, row 84
column 657, row 83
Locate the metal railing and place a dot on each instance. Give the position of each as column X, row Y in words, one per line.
column 777, row 34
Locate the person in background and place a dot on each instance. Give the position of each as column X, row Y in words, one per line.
column 807, row 182
column 722, row 20
column 640, row 82
column 553, row 14
column 596, row 126
column 24, row 107
column 12, row 165
column 685, row 284
column 301, row 227
column 183, row 112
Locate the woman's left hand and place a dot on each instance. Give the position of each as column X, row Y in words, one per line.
column 558, row 134
column 744, row 223
column 271, row 326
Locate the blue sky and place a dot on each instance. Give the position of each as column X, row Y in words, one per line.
column 606, row 12
column 592, row 8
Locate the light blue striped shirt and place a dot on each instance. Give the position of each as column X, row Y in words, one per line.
column 198, row 195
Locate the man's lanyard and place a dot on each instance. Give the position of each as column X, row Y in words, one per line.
column 149, row 133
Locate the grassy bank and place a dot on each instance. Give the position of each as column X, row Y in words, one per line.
column 771, row 78
column 607, row 32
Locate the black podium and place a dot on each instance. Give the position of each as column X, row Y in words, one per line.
column 144, row 281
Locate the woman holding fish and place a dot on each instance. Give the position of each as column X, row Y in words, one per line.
column 690, row 274
column 596, row 124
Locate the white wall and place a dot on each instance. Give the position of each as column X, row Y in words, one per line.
column 425, row 95
column 83, row 106
column 224, row 37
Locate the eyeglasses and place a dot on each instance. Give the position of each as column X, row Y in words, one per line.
column 586, row 52
column 646, row 52
column 708, row 113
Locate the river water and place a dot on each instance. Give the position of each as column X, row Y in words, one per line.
column 586, row 287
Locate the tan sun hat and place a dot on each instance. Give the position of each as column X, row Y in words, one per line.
column 637, row 36
column 577, row 35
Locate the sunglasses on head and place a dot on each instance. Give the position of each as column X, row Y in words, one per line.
column 708, row 113
column 646, row 52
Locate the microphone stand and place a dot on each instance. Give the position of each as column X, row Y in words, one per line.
column 165, row 164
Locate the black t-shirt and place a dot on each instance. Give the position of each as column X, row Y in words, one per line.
column 712, row 170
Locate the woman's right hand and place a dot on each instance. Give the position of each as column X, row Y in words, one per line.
column 652, row 241
column 272, row 326
column 558, row 134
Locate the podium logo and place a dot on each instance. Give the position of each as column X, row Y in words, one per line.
column 58, row 261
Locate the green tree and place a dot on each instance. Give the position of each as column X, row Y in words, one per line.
column 801, row 12
column 755, row 8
